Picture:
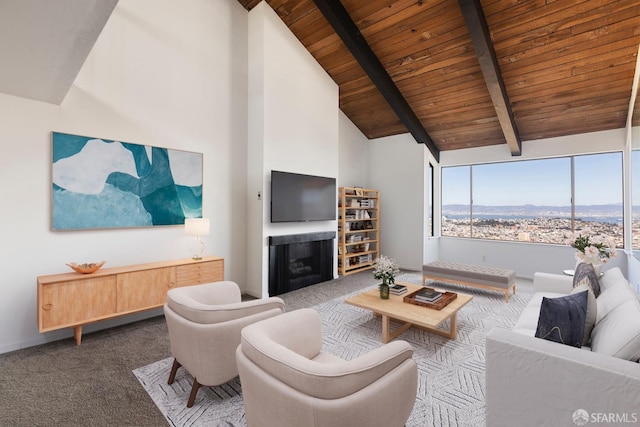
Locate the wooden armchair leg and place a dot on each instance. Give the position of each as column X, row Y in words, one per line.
column 194, row 391
column 174, row 369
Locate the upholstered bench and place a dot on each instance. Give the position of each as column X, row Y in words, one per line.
column 496, row 279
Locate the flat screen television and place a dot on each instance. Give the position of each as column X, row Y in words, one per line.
column 298, row 198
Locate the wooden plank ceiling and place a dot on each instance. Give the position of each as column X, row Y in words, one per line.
column 567, row 66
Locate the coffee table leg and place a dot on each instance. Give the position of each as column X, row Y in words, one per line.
column 453, row 329
column 386, row 324
column 387, row 333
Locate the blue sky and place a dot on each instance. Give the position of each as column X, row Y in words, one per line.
column 598, row 180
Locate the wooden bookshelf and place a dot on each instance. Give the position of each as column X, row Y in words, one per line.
column 358, row 229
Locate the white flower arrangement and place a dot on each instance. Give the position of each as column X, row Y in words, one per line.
column 593, row 250
column 385, row 269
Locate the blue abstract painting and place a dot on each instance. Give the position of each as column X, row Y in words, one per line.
column 98, row 183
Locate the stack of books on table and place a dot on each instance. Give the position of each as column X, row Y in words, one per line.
column 397, row 289
column 428, row 296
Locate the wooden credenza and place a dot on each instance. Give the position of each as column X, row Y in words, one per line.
column 74, row 299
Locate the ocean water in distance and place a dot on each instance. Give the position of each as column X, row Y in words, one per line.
column 603, row 219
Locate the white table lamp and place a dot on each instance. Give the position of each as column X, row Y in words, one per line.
column 197, row 227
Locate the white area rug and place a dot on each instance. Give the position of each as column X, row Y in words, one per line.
column 451, row 386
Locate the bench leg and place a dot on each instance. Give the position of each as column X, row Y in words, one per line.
column 506, row 293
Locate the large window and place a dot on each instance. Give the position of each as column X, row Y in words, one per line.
column 635, row 201
column 541, row 201
column 456, row 201
column 598, row 195
column 429, row 199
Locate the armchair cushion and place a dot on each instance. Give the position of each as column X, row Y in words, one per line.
column 302, row 366
column 216, row 302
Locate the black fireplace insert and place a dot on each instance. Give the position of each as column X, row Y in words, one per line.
column 299, row 260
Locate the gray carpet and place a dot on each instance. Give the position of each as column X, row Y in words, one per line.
column 62, row 384
column 451, row 372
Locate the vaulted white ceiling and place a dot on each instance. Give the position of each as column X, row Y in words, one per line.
column 43, row 44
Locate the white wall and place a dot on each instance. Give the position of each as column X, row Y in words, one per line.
column 298, row 121
column 524, row 258
column 160, row 74
column 397, row 167
column 588, row 143
column 353, row 159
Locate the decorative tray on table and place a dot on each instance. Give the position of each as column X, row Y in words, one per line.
column 444, row 300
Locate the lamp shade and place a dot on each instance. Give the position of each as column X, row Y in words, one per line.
column 196, row 226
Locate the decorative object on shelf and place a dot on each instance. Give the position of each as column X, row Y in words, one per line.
column 87, row 267
column 196, row 227
column 593, row 250
column 134, row 185
column 386, row 269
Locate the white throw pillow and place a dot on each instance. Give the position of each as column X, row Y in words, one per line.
column 611, row 276
column 612, row 296
column 618, row 333
column 592, row 308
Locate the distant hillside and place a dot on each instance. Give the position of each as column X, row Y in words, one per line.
column 612, row 210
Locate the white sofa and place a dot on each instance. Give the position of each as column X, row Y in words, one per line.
column 531, row 381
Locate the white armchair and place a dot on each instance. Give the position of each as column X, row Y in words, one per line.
column 204, row 323
column 288, row 381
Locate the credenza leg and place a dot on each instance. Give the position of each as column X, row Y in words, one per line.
column 77, row 334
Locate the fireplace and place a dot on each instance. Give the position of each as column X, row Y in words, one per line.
column 299, row 260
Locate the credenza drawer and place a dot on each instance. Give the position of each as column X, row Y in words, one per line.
column 203, row 272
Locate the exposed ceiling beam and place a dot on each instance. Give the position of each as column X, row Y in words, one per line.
column 634, row 92
column 479, row 31
column 344, row 26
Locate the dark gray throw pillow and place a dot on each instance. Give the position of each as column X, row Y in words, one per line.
column 562, row 319
column 585, row 274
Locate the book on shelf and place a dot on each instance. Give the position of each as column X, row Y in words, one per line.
column 365, row 258
column 368, row 203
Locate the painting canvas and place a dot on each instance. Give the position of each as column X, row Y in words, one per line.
column 97, row 183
